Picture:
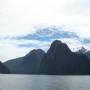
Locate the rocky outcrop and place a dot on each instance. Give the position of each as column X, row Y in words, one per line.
column 60, row 60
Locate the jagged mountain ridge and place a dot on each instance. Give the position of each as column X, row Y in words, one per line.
column 83, row 50
column 59, row 60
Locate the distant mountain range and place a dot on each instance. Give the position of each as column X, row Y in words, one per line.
column 58, row 60
column 28, row 64
column 82, row 50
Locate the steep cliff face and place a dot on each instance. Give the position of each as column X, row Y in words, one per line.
column 4, row 69
column 28, row 64
column 59, row 60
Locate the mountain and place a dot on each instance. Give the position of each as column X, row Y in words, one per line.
column 29, row 64
column 82, row 50
column 60, row 60
column 4, row 69
column 88, row 54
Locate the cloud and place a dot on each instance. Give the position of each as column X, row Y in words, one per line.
column 18, row 17
column 11, row 48
column 86, row 41
column 35, row 44
column 11, row 52
column 48, row 33
column 21, row 21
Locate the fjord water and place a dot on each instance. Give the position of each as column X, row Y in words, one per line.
column 44, row 82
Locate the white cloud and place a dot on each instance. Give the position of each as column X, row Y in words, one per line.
column 11, row 52
column 73, row 43
column 18, row 16
column 10, row 48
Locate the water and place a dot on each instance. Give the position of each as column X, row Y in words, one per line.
column 44, row 82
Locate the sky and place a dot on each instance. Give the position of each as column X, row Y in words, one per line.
column 32, row 24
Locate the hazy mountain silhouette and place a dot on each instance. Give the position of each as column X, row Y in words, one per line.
column 84, row 51
column 3, row 69
column 28, row 64
column 60, row 60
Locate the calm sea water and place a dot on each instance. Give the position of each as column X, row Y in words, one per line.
column 44, row 82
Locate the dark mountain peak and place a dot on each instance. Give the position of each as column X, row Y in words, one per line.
column 59, row 46
column 35, row 52
column 29, row 64
column 34, row 56
column 59, row 60
column 57, row 43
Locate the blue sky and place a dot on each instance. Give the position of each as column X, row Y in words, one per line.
column 29, row 24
